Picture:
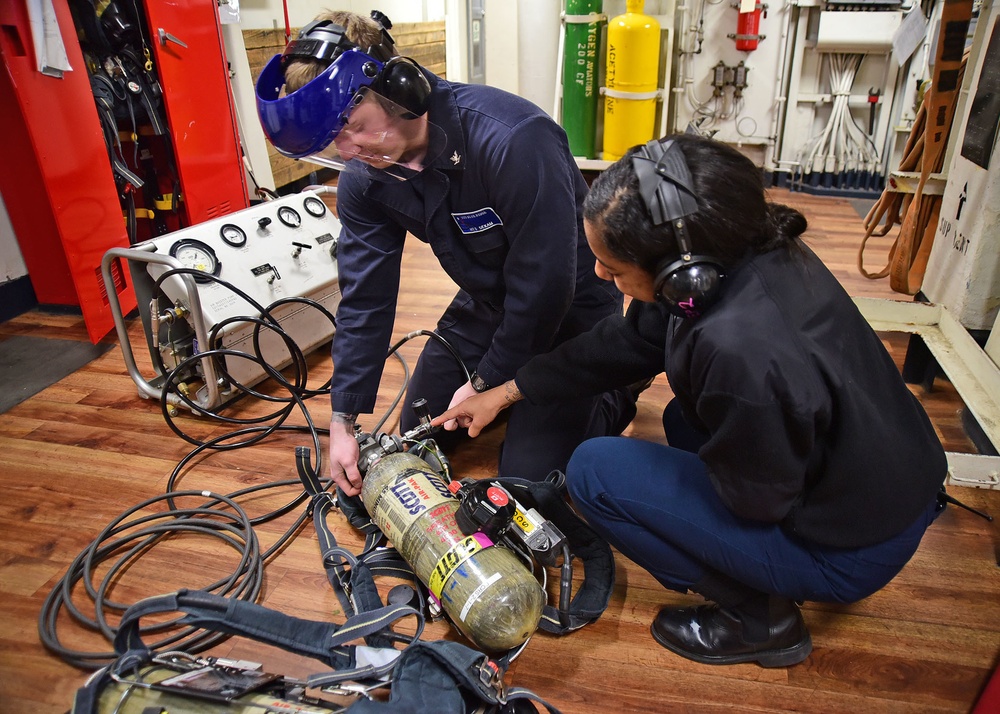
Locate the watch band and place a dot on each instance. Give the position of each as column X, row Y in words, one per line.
column 478, row 383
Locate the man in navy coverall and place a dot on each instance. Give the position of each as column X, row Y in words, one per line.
column 483, row 176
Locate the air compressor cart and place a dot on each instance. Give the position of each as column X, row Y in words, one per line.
column 281, row 254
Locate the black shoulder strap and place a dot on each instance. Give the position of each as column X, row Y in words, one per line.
column 444, row 676
column 350, row 576
column 441, row 676
column 323, row 641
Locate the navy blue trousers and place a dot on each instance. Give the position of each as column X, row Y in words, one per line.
column 656, row 505
column 538, row 439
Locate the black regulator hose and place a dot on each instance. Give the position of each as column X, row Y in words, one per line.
column 565, row 586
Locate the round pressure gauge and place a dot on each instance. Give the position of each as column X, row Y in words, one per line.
column 314, row 206
column 233, row 235
column 289, row 216
column 198, row 256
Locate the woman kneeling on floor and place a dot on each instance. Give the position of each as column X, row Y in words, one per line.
column 799, row 465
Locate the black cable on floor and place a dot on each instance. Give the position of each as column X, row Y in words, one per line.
column 121, row 543
column 131, row 535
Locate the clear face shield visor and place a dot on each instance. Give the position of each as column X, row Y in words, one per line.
column 379, row 138
column 338, row 120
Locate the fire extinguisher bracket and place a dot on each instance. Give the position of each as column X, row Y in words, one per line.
column 747, row 36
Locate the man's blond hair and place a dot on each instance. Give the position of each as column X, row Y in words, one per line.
column 361, row 30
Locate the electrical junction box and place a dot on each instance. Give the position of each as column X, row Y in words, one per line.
column 869, row 32
column 281, row 254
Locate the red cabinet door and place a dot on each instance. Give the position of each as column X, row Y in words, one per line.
column 54, row 173
column 191, row 62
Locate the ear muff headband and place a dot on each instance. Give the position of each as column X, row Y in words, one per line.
column 690, row 283
column 400, row 80
column 320, row 40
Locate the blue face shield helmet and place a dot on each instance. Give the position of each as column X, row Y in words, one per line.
column 347, row 102
column 306, row 121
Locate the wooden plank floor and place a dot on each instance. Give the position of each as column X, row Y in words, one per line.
column 82, row 452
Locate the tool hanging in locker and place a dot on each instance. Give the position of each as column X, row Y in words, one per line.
column 129, row 103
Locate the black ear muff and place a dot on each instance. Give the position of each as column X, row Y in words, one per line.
column 689, row 283
column 402, row 82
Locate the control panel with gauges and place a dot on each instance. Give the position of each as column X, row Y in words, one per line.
column 249, row 282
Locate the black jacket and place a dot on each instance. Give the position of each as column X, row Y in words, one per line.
column 810, row 424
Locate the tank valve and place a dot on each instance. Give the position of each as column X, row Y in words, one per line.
column 423, row 412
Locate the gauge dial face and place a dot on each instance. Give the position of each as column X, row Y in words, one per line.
column 289, row 216
column 233, row 235
column 314, row 207
column 198, row 256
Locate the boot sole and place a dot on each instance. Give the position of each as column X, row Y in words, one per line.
column 768, row 658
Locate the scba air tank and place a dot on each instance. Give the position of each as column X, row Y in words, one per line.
column 486, row 590
column 630, row 80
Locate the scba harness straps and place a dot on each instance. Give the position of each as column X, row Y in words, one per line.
column 351, row 576
column 442, row 676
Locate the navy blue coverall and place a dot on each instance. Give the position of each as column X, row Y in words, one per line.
column 501, row 209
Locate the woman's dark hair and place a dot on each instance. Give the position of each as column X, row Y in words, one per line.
column 733, row 219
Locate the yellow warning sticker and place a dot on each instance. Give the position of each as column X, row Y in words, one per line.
column 453, row 559
column 523, row 522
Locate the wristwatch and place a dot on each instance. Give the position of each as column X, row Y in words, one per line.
column 478, row 383
column 345, row 417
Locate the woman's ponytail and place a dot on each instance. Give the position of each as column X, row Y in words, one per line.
column 784, row 226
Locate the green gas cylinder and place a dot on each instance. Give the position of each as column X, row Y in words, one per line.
column 580, row 70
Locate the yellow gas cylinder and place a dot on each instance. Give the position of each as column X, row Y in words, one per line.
column 631, row 73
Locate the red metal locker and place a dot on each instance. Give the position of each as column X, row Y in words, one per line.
column 191, row 60
column 56, row 177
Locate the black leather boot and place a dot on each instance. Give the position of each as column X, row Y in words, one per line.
column 769, row 631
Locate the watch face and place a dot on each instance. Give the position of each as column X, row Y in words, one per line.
column 478, row 383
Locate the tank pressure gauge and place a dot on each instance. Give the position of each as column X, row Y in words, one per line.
column 233, row 235
column 289, row 216
column 314, row 207
column 198, row 256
